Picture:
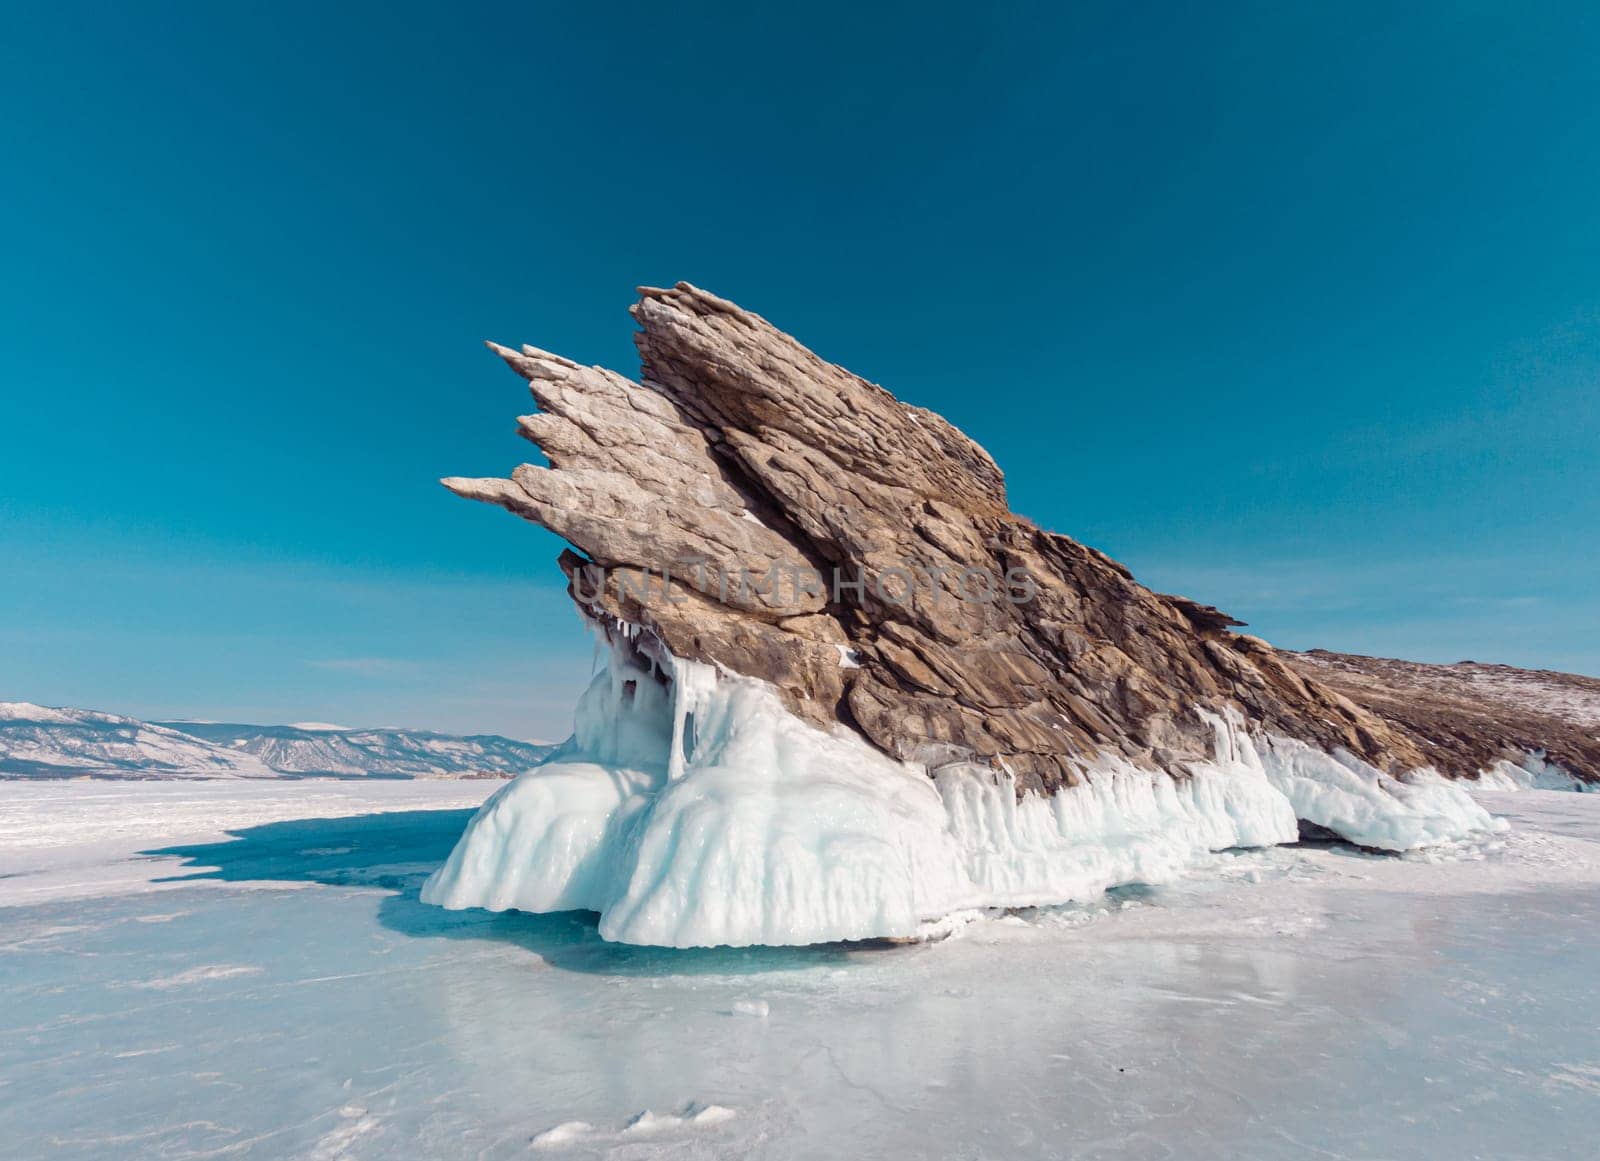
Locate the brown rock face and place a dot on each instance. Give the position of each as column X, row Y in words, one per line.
column 1466, row 715
column 752, row 505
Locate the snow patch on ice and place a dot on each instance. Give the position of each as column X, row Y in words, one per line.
column 649, row 1122
column 702, row 1116
column 563, row 1134
column 198, row 975
column 691, row 809
column 337, row 1143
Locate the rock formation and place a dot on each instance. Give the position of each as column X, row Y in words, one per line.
column 1468, row 716
column 849, row 694
column 751, row 505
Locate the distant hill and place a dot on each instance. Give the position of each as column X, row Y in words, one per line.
column 1472, row 713
column 396, row 753
column 41, row 742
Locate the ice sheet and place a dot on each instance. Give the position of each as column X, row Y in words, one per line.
column 1278, row 1002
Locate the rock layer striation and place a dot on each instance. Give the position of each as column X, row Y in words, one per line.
column 753, row 506
column 1468, row 716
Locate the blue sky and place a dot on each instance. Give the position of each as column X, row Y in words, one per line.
column 1294, row 311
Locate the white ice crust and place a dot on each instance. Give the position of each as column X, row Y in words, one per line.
column 1358, row 802
column 1533, row 771
column 698, row 811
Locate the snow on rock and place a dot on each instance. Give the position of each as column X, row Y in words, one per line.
column 42, row 742
column 1473, row 717
column 323, row 749
column 691, row 809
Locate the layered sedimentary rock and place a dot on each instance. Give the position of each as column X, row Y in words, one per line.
column 1469, row 717
column 850, row 694
column 754, row 507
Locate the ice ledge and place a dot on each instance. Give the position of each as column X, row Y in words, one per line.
column 691, row 809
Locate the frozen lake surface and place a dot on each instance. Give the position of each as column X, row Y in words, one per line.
column 244, row 970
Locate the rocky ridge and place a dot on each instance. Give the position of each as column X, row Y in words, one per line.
column 1467, row 715
column 748, row 504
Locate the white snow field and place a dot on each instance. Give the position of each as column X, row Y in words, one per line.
column 691, row 809
column 244, row 969
column 70, row 839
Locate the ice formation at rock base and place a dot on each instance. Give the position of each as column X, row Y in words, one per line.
column 1532, row 772
column 691, row 808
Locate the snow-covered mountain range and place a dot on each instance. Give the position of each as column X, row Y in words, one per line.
column 41, row 742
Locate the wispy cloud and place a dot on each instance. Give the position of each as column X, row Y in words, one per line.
column 1491, row 608
column 368, row 666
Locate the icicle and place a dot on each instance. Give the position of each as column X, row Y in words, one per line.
column 692, row 686
column 675, row 759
